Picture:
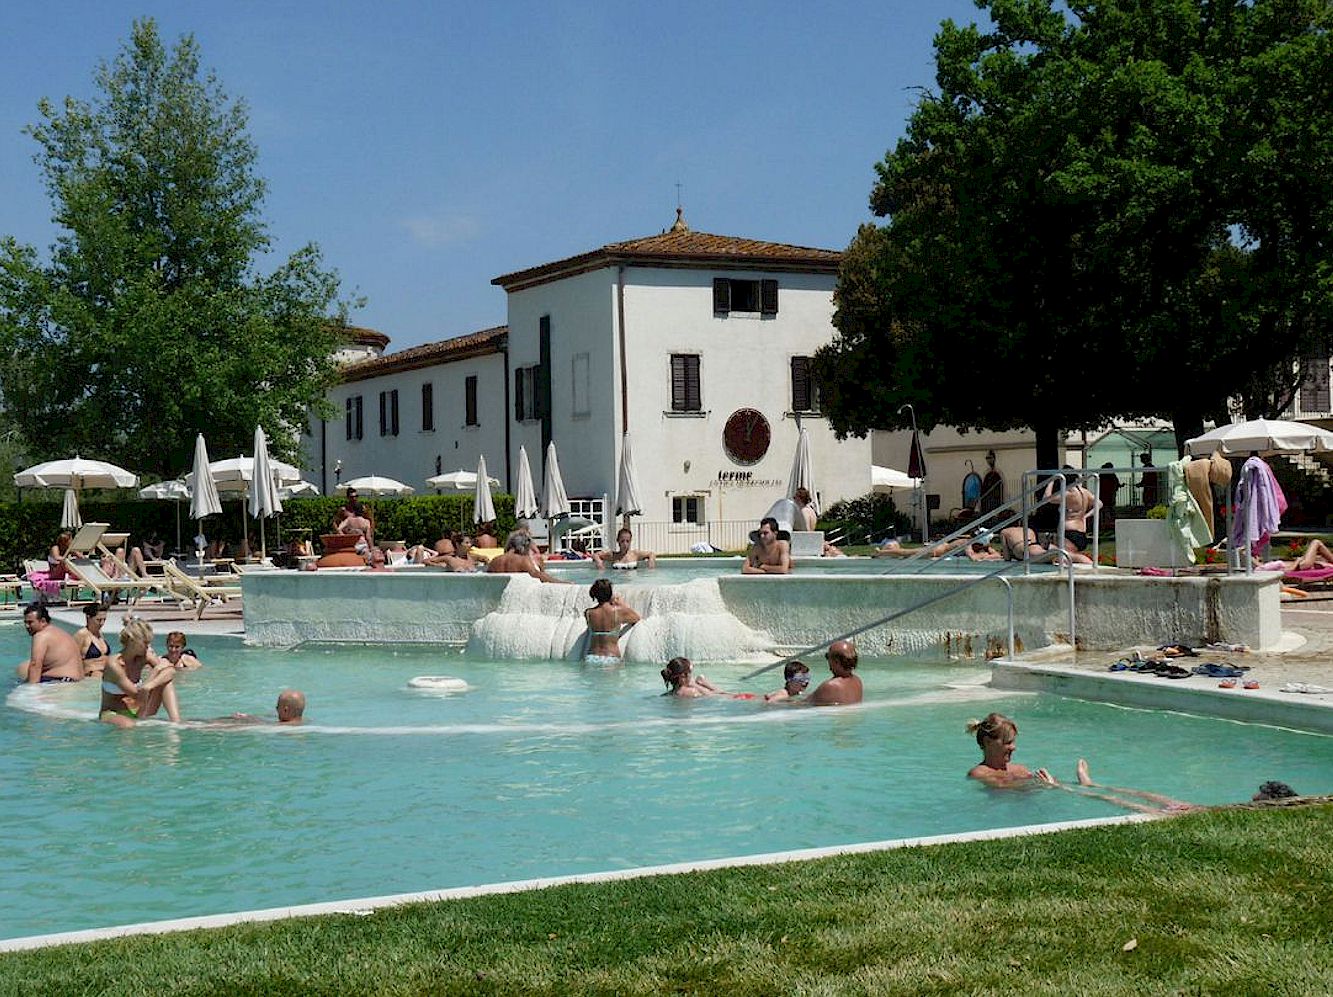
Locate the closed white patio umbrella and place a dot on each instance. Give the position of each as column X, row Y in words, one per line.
column 204, row 499
column 264, row 500
column 628, row 502
column 802, row 471
column 69, row 511
column 555, row 503
column 483, row 507
column 525, row 496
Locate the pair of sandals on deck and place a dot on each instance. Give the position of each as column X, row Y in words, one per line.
column 1167, row 670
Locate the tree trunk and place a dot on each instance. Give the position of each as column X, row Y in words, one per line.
column 1187, row 425
column 1048, row 446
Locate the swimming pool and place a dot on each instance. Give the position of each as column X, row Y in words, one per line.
column 540, row 769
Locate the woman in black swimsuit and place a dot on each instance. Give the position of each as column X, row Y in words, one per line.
column 93, row 647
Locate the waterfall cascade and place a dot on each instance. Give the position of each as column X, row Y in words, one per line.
column 537, row 621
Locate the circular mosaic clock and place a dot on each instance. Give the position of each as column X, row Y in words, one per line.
column 746, row 436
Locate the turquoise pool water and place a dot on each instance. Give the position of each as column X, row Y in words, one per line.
column 540, row 769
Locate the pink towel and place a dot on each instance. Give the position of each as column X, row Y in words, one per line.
column 1310, row 575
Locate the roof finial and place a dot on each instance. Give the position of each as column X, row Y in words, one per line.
column 679, row 224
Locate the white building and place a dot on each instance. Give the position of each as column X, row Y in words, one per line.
column 697, row 344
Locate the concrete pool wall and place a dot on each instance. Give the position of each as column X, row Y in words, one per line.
column 1111, row 610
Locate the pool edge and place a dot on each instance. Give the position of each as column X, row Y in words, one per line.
column 366, row 905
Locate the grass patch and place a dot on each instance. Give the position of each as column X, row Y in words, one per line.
column 1230, row 901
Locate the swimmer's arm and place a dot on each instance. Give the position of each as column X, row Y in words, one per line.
column 703, row 683
column 649, row 556
column 778, row 696
column 597, row 559
column 119, row 678
column 625, row 617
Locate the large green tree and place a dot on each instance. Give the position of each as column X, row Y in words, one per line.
column 1104, row 210
column 152, row 319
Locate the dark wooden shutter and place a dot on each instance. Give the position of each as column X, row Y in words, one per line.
column 384, row 413
column 685, row 395
column 800, row 384
column 768, row 297
column 518, row 394
column 470, row 400
column 393, row 412
column 349, row 417
column 427, row 406
column 678, row 384
column 360, row 423
column 721, row 295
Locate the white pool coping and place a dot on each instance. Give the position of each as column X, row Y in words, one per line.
column 367, row 905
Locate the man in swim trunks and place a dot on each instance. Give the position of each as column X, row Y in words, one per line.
column 623, row 556
column 517, row 560
column 769, row 554
column 844, row 688
column 55, row 655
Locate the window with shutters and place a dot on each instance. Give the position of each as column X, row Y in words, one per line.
column 1314, row 385
column 428, row 407
column 687, row 509
column 804, row 390
column 526, row 407
column 756, row 297
column 685, row 394
column 389, row 413
column 354, row 417
column 470, row 401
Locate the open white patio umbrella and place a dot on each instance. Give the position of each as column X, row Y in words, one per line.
column 77, row 473
column 169, row 491
column 628, row 502
column 373, row 484
column 264, row 500
column 298, row 490
column 74, row 474
column 802, row 472
column 483, row 507
column 204, row 499
column 69, row 511
column 886, row 479
column 1263, row 436
column 236, row 473
column 459, row 481
column 525, row 496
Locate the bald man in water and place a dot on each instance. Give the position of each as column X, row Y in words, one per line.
column 291, row 706
column 844, row 688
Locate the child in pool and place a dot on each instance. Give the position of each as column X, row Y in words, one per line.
column 679, row 675
column 796, row 679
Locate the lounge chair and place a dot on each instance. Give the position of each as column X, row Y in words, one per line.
column 198, row 592
column 105, row 588
column 67, row 588
column 86, row 538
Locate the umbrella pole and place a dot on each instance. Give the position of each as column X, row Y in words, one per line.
column 178, row 525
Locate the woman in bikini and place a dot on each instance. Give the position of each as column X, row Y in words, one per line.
column 127, row 695
column 606, row 622
column 93, row 647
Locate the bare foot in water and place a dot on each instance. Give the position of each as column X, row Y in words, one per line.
column 1084, row 779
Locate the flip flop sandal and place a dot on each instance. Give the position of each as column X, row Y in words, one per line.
column 1173, row 672
column 1227, row 684
column 1251, row 684
column 1120, row 666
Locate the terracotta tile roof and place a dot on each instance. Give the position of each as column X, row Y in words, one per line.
column 365, row 337
column 683, row 248
column 474, row 344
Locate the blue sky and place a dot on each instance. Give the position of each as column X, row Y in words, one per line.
column 429, row 147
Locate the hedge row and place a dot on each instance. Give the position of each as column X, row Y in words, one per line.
column 28, row 528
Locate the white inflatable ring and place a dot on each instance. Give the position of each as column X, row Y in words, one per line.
column 438, row 683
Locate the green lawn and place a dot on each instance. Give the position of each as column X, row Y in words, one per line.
column 1235, row 901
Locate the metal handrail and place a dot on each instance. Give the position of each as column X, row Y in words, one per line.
column 898, row 614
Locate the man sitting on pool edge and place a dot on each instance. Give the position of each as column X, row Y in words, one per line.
column 844, row 688
column 770, row 553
